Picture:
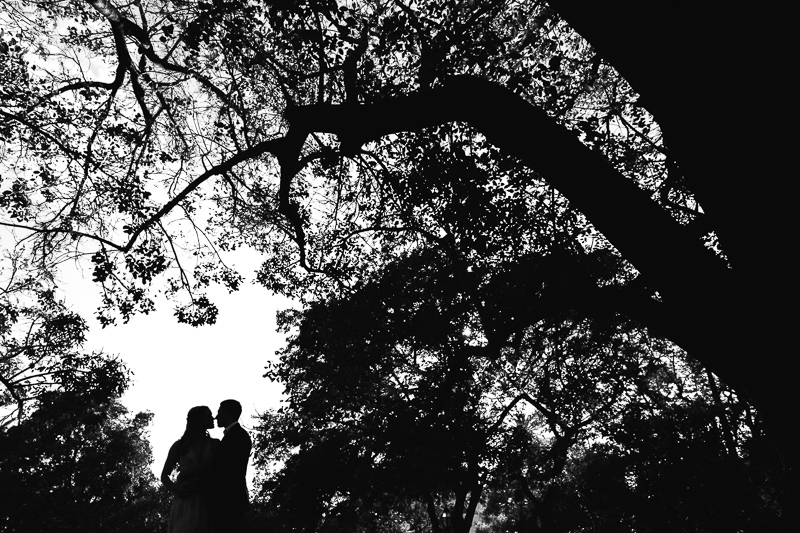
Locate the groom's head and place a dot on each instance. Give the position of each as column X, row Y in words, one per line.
column 228, row 413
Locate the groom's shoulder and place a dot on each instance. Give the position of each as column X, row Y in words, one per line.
column 237, row 432
column 243, row 434
column 242, row 431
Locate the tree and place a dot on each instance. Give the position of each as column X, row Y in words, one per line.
column 393, row 404
column 72, row 456
column 80, row 460
column 661, row 464
column 662, row 159
column 41, row 342
column 383, row 409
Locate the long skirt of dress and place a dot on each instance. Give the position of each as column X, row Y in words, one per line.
column 189, row 515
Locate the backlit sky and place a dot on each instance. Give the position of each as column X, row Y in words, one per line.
column 177, row 366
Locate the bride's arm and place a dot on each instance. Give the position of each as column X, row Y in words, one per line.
column 169, row 466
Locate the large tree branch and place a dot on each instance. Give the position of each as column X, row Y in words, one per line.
column 273, row 145
column 122, row 26
column 730, row 139
column 644, row 233
column 695, row 289
column 733, row 142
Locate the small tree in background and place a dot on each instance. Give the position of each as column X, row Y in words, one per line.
column 80, row 461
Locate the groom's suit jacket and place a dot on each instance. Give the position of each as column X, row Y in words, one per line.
column 228, row 484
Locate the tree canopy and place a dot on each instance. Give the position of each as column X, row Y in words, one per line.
column 334, row 136
column 42, row 347
column 396, row 408
column 79, row 459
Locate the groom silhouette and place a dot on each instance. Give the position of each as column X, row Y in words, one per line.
column 227, row 488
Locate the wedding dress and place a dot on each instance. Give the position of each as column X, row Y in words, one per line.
column 190, row 515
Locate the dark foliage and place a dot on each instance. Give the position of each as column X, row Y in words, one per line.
column 80, row 462
column 397, row 404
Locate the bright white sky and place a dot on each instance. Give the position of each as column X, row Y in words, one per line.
column 177, row 366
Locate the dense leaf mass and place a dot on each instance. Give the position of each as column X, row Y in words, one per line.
column 398, row 403
column 79, row 459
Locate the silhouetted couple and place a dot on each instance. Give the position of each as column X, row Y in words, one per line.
column 211, row 489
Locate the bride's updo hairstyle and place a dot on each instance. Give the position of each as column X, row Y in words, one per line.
column 195, row 426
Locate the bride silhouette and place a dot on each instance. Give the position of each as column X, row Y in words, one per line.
column 193, row 453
